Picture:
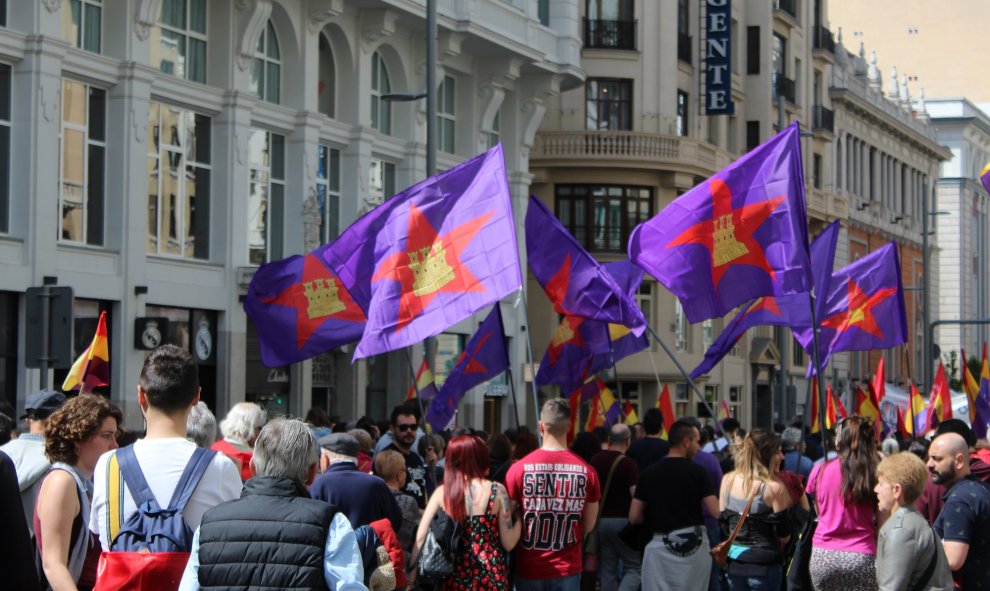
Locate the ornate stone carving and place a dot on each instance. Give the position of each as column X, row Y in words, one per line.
column 48, row 98
column 146, row 16
column 320, row 12
column 255, row 19
column 52, row 5
column 375, row 26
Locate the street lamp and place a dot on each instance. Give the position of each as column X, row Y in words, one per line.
column 927, row 328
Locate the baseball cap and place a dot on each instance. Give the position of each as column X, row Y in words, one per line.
column 340, row 443
column 42, row 403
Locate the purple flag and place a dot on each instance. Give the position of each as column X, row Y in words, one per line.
column 783, row 310
column 574, row 281
column 982, row 409
column 300, row 308
column 738, row 236
column 864, row 307
column 484, row 358
column 433, row 255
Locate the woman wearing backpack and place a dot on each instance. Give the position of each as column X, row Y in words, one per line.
column 76, row 435
column 481, row 508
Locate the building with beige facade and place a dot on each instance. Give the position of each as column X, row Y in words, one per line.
column 615, row 152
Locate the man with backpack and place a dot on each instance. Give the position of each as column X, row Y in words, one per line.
column 150, row 496
column 275, row 536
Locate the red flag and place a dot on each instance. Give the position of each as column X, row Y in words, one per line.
column 667, row 410
column 830, row 418
column 940, row 401
column 901, row 425
column 840, row 408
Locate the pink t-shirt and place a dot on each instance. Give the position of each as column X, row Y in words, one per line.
column 841, row 526
column 552, row 488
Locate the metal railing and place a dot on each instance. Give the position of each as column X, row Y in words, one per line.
column 823, row 40
column 788, row 6
column 822, row 118
column 785, row 87
column 608, row 34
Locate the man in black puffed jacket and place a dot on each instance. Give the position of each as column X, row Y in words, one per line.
column 275, row 536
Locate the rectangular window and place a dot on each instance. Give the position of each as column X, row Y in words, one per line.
column 681, row 400
column 609, row 104
column 328, row 191
column 266, row 197
column 543, row 12
column 797, row 354
column 644, row 297
column 178, row 182
column 682, row 113
column 752, row 50
column 752, row 134
column 3, row 17
column 816, row 171
column 707, row 333
column 82, row 163
column 178, row 43
column 601, row 217
column 734, row 400
column 81, row 24
column 447, row 114
column 495, row 132
column 4, row 146
column 683, row 22
column 382, row 185
column 680, row 328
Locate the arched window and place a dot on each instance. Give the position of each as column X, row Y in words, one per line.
column 326, row 89
column 266, row 77
column 381, row 110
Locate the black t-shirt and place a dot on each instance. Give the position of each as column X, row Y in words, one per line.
column 965, row 517
column 672, row 490
column 616, row 502
column 648, row 451
column 415, row 477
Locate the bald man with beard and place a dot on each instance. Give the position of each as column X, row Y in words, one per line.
column 964, row 523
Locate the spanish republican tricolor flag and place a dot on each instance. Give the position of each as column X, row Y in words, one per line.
column 424, row 383
column 92, row 368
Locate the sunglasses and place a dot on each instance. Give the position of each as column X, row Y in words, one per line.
column 405, row 427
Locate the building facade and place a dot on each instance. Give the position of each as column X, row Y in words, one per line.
column 638, row 134
column 963, row 265
column 155, row 152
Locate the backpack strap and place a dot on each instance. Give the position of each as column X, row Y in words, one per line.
column 190, row 478
column 130, row 471
column 115, row 496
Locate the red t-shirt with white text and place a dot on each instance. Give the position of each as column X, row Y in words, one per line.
column 551, row 488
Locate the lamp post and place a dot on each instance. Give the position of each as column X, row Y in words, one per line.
column 927, row 328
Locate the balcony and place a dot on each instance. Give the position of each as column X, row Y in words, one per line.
column 603, row 34
column 788, row 7
column 823, row 40
column 822, row 119
column 684, row 48
column 630, row 148
column 785, row 87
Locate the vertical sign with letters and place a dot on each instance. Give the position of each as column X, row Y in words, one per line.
column 718, row 58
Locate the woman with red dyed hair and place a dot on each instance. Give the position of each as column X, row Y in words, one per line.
column 489, row 531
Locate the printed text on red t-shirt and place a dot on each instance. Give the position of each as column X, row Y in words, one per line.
column 553, row 499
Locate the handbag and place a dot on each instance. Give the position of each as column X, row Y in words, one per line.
column 436, row 559
column 797, row 576
column 591, row 538
column 636, row 536
column 721, row 551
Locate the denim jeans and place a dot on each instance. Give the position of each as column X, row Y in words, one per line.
column 717, row 581
column 613, row 553
column 769, row 583
column 571, row 583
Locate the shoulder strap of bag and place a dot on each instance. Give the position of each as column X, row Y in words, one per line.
column 742, row 518
column 930, row 569
column 190, row 478
column 130, row 470
column 608, row 483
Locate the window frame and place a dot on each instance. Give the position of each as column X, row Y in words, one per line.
column 595, row 201
column 186, row 33
column 447, row 115
column 6, row 88
column 494, row 134
column 683, row 113
column 682, row 331
column 185, row 161
column 264, row 62
column 270, row 176
column 82, row 26
column 328, row 190
column 381, row 110
column 619, row 109
column 381, row 189
column 90, row 146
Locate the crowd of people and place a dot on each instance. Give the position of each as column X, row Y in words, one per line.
column 284, row 503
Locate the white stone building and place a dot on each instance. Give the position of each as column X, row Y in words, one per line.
column 270, row 110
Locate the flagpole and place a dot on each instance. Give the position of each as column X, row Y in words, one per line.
column 907, row 362
column 818, row 372
column 687, row 377
column 412, row 372
column 515, row 404
column 532, row 365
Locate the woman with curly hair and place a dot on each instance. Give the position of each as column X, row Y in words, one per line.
column 844, row 547
column 76, row 435
column 481, row 507
column 756, row 555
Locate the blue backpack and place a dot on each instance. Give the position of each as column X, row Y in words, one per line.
column 151, row 528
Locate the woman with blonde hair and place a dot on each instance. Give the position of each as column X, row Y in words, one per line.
column 844, row 547
column 239, row 429
column 756, row 557
column 76, row 435
column 482, row 508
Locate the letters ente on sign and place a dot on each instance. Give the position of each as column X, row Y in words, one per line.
column 718, row 58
